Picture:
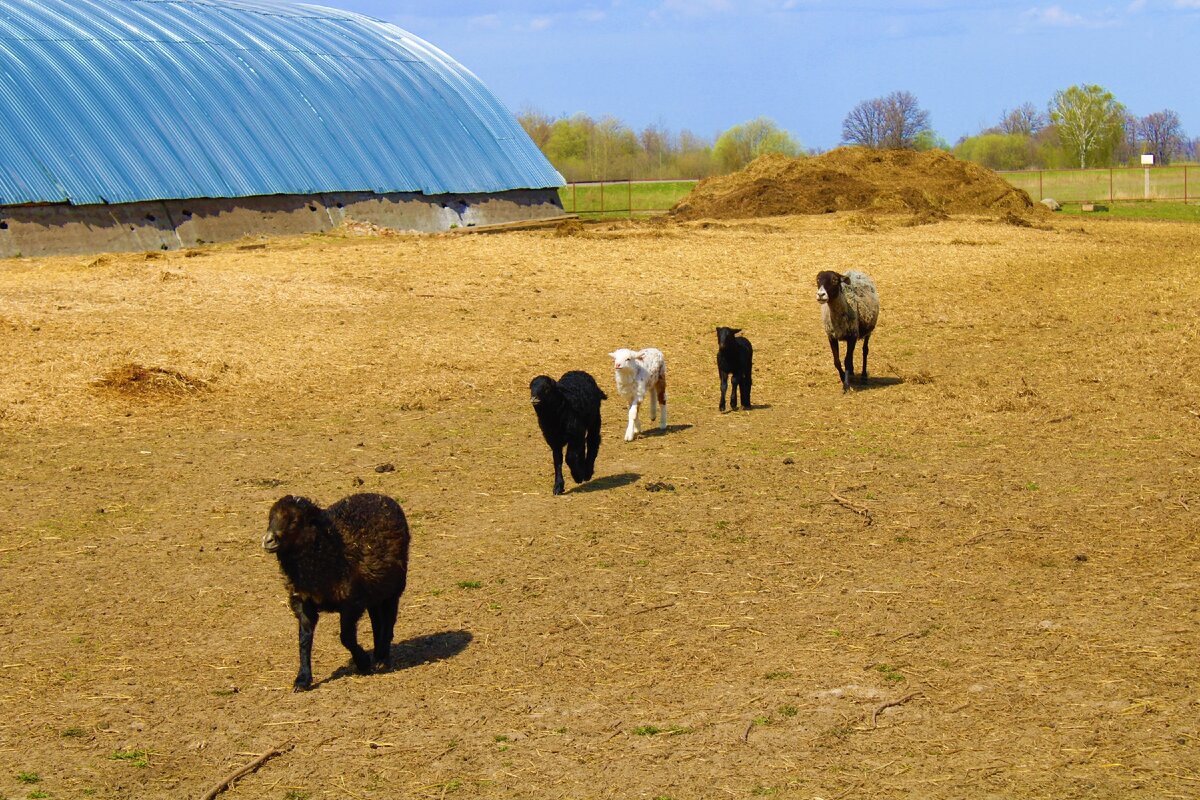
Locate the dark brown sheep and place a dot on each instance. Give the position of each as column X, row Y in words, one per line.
column 350, row 558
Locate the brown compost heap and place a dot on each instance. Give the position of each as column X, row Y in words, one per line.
column 854, row 179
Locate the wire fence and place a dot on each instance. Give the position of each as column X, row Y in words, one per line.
column 1111, row 184
column 627, row 198
column 634, row 198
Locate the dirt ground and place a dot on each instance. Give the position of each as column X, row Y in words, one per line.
column 976, row 577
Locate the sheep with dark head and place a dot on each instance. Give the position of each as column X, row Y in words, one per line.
column 568, row 412
column 349, row 558
column 735, row 357
column 849, row 309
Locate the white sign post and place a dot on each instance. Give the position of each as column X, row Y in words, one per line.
column 1148, row 162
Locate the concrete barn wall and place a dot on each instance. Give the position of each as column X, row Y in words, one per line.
column 43, row 230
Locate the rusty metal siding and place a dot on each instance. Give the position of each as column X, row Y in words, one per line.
column 117, row 101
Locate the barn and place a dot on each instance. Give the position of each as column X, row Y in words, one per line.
column 162, row 124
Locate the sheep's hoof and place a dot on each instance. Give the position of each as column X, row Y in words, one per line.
column 302, row 686
column 559, row 490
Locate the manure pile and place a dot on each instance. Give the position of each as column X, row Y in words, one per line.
column 854, row 179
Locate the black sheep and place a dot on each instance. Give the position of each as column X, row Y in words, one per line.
column 350, row 558
column 568, row 412
column 735, row 356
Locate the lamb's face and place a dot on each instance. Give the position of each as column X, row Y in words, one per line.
column 540, row 388
column 829, row 285
column 726, row 335
column 623, row 359
column 290, row 525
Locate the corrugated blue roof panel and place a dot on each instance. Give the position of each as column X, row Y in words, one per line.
column 116, row 101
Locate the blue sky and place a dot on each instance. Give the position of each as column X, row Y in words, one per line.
column 705, row 65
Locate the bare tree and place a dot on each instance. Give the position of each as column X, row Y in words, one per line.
column 1024, row 120
column 1162, row 134
column 906, row 120
column 864, row 124
column 894, row 121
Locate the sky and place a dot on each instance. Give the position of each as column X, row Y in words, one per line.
column 706, row 65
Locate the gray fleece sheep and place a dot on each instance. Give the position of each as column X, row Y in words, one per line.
column 849, row 309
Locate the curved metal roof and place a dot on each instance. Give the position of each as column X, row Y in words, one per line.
column 115, row 101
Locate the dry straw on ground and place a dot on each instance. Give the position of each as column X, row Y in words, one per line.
column 1018, row 620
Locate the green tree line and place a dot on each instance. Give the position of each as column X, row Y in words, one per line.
column 584, row 148
column 1081, row 126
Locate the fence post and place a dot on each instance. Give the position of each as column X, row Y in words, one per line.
column 629, row 196
column 601, row 199
column 1185, row 172
column 574, row 198
column 1110, row 184
column 1041, row 194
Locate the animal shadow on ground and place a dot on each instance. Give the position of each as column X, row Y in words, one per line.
column 417, row 651
column 669, row 429
column 607, row 482
column 755, row 407
column 875, row 383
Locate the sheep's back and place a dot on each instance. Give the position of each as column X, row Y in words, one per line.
column 375, row 536
column 865, row 299
column 654, row 362
column 582, row 395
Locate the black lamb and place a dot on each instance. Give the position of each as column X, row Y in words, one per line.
column 568, row 412
column 350, row 558
column 735, row 357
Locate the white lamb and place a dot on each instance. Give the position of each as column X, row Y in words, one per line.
column 639, row 372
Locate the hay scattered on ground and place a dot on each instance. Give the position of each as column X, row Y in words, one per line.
column 855, row 179
column 351, row 228
column 136, row 380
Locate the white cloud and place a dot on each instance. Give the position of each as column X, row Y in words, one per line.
column 592, row 15
column 540, row 23
column 485, row 21
column 1055, row 16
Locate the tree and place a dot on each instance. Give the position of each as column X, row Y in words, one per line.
column 1090, row 122
column 1161, row 133
column 865, row 123
column 1024, row 120
column 741, row 144
column 997, row 150
column 537, row 125
column 895, row 121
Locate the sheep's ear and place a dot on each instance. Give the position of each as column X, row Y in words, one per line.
column 639, row 357
column 846, row 280
column 613, row 355
column 735, row 331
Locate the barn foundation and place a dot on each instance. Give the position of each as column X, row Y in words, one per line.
column 63, row 229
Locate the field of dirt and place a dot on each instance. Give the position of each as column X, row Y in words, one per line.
column 975, row 577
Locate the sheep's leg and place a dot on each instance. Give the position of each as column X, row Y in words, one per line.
column 306, row 615
column 383, row 624
column 591, row 448
column 746, row 391
column 724, row 386
column 863, row 379
column 575, row 457
column 849, row 373
column 559, row 484
column 662, row 401
column 350, row 618
column 633, row 426
column 837, row 359
column 653, row 407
